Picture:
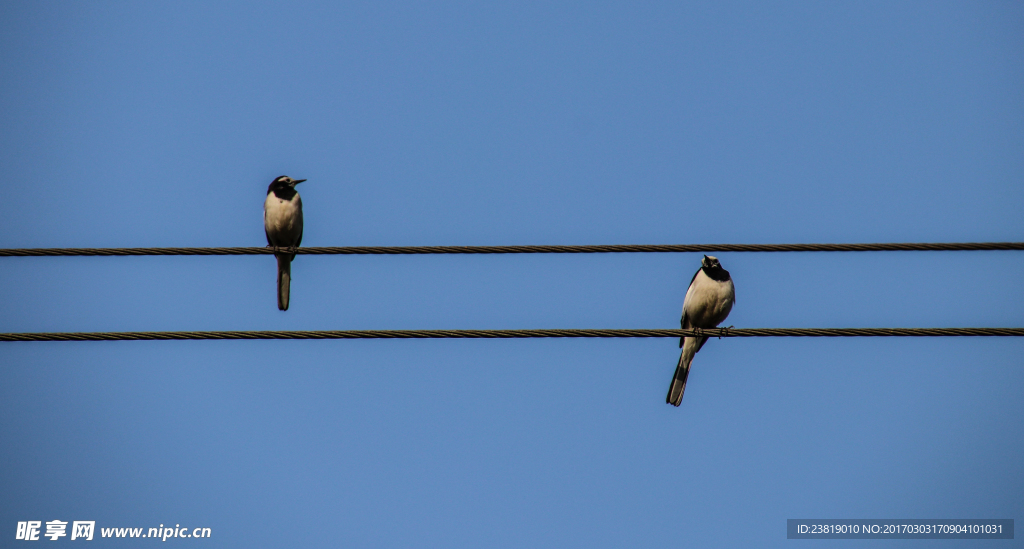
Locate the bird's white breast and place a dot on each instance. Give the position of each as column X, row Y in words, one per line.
column 283, row 219
column 708, row 301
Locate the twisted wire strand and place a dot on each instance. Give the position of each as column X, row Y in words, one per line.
column 506, row 334
column 610, row 248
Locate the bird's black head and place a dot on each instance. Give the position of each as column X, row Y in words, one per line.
column 713, row 268
column 710, row 262
column 283, row 183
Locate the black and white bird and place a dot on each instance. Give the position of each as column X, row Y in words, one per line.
column 282, row 219
column 708, row 301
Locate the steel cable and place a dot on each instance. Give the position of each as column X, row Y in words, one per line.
column 505, row 334
column 611, row 248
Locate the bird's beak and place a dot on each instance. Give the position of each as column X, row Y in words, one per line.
column 297, row 181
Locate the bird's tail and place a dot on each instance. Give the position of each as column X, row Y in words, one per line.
column 675, row 390
column 284, row 279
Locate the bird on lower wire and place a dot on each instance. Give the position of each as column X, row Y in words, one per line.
column 282, row 219
column 708, row 301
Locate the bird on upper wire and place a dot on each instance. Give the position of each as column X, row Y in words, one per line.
column 708, row 301
column 282, row 219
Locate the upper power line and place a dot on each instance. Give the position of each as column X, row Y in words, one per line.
column 588, row 249
column 514, row 334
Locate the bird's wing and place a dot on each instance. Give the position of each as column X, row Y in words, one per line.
column 692, row 279
column 684, row 324
column 265, row 231
column 299, row 241
column 689, row 289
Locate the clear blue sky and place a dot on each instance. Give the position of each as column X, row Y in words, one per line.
column 420, row 123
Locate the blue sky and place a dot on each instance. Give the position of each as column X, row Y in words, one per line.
column 146, row 124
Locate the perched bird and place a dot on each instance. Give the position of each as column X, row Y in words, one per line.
column 282, row 219
column 707, row 303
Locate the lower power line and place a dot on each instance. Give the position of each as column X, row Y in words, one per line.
column 507, row 334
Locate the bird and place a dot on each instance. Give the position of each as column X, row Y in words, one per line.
column 282, row 219
column 708, row 301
